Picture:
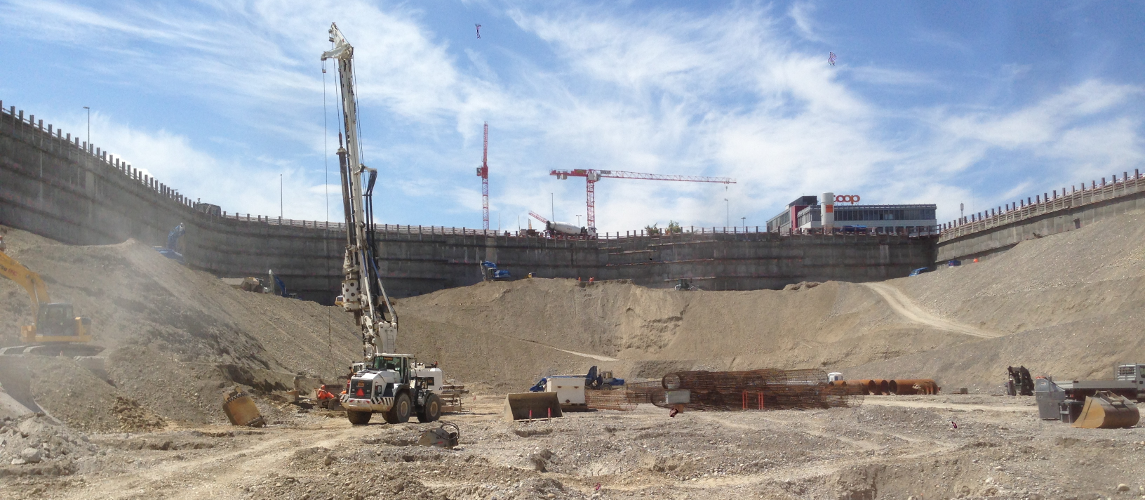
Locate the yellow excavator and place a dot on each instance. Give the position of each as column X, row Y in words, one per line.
column 57, row 330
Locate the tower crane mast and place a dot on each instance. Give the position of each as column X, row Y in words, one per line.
column 591, row 176
column 483, row 173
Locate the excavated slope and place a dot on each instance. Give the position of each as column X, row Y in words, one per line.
column 1068, row 305
column 174, row 337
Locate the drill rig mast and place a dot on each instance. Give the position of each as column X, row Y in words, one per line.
column 362, row 292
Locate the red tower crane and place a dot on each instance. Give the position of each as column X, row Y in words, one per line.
column 483, row 173
column 592, row 175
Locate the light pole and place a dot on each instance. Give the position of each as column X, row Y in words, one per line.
column 728, row 214
column 744, row 223
column 280, row 196
column 88, row 125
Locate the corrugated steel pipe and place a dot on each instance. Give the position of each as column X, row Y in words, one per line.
column 914, row 386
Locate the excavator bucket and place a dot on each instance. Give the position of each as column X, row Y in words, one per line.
column 529, row 405
column 241, row 410
column 1107, row 411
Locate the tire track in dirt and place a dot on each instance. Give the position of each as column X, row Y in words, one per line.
column 217, row 474
column 597, row 357
column 906, row 308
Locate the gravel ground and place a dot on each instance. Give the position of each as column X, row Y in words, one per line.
column 888, row 448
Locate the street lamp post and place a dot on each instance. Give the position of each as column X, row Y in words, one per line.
column 744, row 223
column 88, row 126
column 279, row 196
column 728, row 214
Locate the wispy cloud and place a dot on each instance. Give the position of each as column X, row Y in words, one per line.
column 728, row 92
column 801, row 14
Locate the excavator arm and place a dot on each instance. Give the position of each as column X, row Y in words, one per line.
column 31, row 281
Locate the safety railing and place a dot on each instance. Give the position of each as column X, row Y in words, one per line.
column 1044, row 203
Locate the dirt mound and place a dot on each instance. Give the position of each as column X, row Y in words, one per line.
column 1067, row 305
column 176, row 338
column 511, row 333
column 1063, row 305
column 173, row 337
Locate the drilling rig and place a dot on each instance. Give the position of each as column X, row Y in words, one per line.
column 395, row 385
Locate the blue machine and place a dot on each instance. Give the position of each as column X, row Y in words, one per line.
column 593, row 380
column 489, row 272
column 171, row 250
column 281, row 286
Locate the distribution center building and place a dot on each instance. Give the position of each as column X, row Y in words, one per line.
column 805, row 214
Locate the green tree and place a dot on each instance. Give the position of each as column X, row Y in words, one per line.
column 652, row 230
column 674, row 227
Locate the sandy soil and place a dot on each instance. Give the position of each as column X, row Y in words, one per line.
column 150, row 425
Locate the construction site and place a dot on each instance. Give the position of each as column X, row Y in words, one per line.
column 152, row 346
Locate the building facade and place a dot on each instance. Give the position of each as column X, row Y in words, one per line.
column 805, row 215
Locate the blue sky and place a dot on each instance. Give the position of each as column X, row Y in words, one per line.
column 958, row 102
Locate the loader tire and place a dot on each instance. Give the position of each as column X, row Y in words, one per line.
column 358, row 417
column 431, row 411
column 400, row 411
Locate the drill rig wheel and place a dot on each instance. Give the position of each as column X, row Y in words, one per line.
column 431, row 411
column 399, row 413
column 358, row 417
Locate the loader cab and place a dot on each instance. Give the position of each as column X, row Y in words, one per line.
column 399, row 364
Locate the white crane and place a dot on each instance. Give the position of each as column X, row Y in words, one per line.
column 362, row 291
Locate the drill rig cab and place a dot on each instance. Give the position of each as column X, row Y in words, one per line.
column 395, row 385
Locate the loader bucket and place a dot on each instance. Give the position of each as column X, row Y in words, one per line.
column 1107, row 411
column 526, row 405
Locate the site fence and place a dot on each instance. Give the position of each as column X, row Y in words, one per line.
column 1045, row 203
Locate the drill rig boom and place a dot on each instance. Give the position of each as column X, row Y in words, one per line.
column 362, row 292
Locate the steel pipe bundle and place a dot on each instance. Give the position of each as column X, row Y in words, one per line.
column 903, row 387
column 765, row 389
column 900, row 387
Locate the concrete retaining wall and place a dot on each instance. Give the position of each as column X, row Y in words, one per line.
column 54, row 185
column 989, row 233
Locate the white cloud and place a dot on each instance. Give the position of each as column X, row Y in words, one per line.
column 729, row 93
column 800, row 13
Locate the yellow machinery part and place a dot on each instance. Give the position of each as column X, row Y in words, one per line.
column 525, row 405
column 1107, row 411
column 28, row 334
column 241, row 410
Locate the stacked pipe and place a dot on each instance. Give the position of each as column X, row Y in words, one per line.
column 765, row 389
column 899, row 387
